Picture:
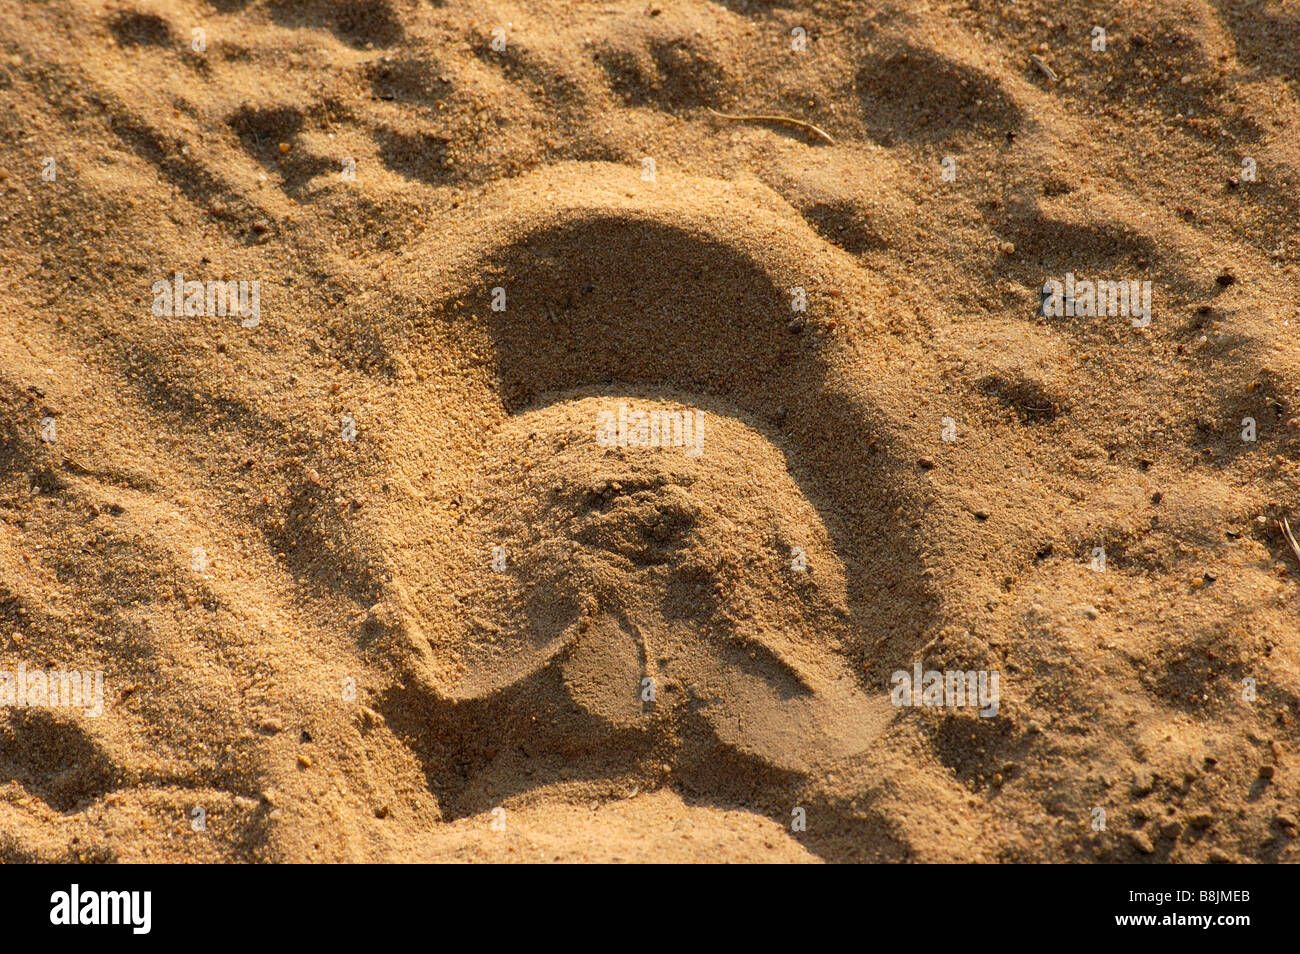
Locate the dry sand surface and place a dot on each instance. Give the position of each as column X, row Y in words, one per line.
column 365, row 578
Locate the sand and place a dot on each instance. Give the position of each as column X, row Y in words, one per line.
column 369, row 575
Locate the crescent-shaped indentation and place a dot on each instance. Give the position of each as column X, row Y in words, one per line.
column 624, row 564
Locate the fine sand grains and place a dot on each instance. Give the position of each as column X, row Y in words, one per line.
column 393, row 566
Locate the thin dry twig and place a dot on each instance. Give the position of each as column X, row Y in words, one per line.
column 1043, row 68
column 783, row 120
column 1290, row 537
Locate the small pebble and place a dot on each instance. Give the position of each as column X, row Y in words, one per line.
column 1141, row 842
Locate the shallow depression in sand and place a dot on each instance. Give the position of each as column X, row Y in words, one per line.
column 692, row 572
